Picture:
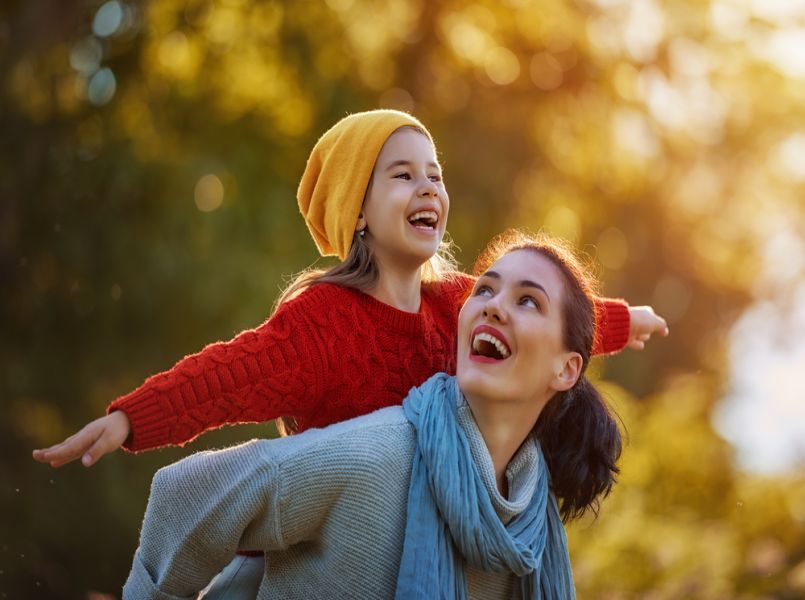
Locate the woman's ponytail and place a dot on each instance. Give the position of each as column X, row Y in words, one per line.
column 581, row 442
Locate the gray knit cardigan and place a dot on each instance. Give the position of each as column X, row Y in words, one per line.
column 327, row 507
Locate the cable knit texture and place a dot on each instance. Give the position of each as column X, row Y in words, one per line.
column 328, row 506
column 330, row 354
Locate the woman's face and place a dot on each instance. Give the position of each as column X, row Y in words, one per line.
column 510, row 346
column 406, row 205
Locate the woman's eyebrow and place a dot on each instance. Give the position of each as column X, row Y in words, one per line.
column 522, row 283
column 533, row 284
column 408, row 163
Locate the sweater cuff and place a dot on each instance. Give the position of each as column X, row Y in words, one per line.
column 148, row 424
column 612, row 325
column 140, row 585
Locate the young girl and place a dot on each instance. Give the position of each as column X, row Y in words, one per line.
column 345, row 341
column 452, row 495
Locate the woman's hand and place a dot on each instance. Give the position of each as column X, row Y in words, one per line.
column 642, row 324
column 95, row 439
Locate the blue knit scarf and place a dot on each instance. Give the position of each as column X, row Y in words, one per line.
column 451, row 521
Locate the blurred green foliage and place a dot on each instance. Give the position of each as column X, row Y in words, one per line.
column 149, row 158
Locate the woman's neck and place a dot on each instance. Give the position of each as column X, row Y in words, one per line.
column 504, row 427
column 399, row 288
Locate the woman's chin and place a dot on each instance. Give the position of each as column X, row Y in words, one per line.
column 479, row 385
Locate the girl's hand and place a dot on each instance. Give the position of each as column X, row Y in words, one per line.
column 643, row 323
column 95, row 439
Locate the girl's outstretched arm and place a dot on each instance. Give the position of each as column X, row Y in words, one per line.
column 261, row 374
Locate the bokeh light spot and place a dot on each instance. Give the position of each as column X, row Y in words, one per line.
column 563, row 222
column 102, row 87
column 502, row 66
column 791, row 156
column 108, row 19
column 86, row 55
column 209, row 193
column 546, row 72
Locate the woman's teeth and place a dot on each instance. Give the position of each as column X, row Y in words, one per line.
column 488, row 345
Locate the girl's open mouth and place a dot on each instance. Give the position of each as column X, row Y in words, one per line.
column 424, row 220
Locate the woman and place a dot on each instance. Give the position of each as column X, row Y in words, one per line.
column 453, row 494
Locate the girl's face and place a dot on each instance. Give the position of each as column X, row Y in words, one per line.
column 406, row 205
column 510, row 346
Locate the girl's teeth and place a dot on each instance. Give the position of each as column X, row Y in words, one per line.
column 428, row 216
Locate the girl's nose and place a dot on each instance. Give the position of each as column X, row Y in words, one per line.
column 428, row 188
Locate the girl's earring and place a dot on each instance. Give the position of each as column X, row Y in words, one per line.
column 362, row 232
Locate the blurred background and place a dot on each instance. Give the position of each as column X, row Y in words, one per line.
column 149, row 159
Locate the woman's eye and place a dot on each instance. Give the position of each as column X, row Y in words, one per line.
column 483, row 290
column 435, row 178
column 529, row 301
column 405, row 176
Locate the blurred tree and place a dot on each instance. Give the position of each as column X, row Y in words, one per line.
column 148, row 166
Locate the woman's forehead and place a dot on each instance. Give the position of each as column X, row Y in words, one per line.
column 527, row 264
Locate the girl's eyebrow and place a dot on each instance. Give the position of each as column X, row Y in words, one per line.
column 521, row 283
column 408, row 163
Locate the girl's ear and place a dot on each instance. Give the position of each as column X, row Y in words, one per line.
column 361, row 224
column 569, row 373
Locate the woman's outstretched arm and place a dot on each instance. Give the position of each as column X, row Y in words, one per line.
column 200, row 511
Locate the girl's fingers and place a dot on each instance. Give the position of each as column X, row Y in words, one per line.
column 103, row 445
column 69, row 450
column 636, row 344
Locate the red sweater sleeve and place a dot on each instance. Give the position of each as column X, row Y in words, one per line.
column 611, row 315
column 611, row 326
column 261, row 374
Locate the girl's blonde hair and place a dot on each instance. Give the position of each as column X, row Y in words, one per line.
column 359, row 270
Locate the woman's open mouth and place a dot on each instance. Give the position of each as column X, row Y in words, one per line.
column 489, row 345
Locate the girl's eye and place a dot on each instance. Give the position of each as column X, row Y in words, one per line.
column 405, row 176
column 529, row 301
column 435, row 178
column 483, row 290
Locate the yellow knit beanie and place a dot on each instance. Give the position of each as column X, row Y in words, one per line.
column 337, row 174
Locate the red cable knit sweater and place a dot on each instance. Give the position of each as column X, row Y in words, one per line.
column 330, row 354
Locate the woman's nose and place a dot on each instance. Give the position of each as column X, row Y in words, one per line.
column 493, row 310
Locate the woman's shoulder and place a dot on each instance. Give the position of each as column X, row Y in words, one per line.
column 368, row 442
